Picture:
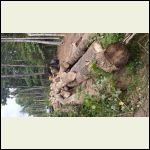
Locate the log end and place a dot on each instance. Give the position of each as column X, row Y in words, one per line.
column 97, row 47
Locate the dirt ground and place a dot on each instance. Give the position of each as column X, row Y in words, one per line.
column 65, row 50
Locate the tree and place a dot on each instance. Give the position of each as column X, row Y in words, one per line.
column 31, row 40
column 22, row 66
column 5, row 93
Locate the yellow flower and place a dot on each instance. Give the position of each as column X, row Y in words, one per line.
column 121, row 103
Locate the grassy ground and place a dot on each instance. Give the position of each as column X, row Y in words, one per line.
column 123, row 93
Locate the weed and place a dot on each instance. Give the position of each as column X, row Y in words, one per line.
column 108, row 38
column 78, row 91
column 95, row 71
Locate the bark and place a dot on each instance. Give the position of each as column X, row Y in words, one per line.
column 32, row 38
column 46, row 34
column 33, row 41
column 65, row 79
column 82, row 66
column 8, row 65
column 39, row 96
column 64, row 66
column 104, row 64
column 65, row 94
column 30, row 89
column 21, row 75
column 39, row 100
column 59, row 98
column 80, row 49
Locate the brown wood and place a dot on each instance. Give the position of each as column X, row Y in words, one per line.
column 80, row 49
column 65, row 94
column 65, row 79
column 73, row 100
column 117, row 54
column 82, row 66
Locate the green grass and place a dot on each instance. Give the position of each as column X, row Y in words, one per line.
column 108, row 38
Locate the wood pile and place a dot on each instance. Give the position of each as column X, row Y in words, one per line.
column 76, row 70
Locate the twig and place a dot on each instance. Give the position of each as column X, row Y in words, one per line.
column 143, row 47
column 128, row 38
column 142, row 37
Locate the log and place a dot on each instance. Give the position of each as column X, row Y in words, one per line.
column 59, row 98
column 82, row 46
column 64, row 66
column 46, row 34
column 65, row 79
column 104, row 64
column 57, row 79
column 82, row 66
column 66, row 88
column 65, row 94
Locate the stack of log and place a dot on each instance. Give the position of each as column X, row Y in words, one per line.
column 76, row 70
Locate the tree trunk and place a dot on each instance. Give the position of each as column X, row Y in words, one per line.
column 33, row 38
column 46, row 34
column 30, row 89
column 31, row 41
column 82, row 66
column 21, row 75
column 39, row 100
column 65, row 78
column 8, row 65
column 19, row 60
column 80, row 49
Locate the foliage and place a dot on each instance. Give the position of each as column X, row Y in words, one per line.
column 108, row 38
column 26, row 54
column 107, row 102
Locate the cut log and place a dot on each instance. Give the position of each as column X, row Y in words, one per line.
column 65, row 79
column 46, row 34
column 59, row 98
column 65, row 94
column 80, row 50
column 64, row 66
column 117, row 54
column 57, row 79
column 88, row 57
column 81, row 67
column 103, row 63
column 73, row 84
column 66, row 88
column 71, row 76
